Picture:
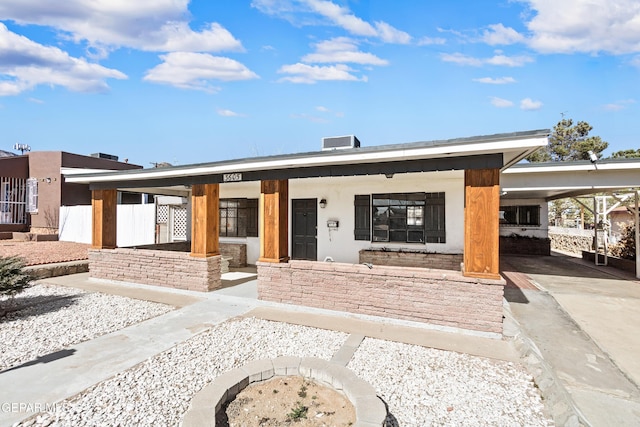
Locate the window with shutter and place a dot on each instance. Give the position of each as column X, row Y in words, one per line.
column 401, row 217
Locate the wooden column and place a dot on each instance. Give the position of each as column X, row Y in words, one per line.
column 205, row 220
column 481, row 223
column 274, row 237
column 104, row 212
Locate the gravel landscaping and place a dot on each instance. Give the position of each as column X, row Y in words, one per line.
column 45, row 318
column 37, row 253
column 422, row 386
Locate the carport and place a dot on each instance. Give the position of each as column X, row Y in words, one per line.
column 617, row 179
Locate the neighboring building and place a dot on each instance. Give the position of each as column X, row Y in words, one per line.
column 32, row 188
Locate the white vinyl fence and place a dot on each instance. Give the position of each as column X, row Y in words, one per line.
column 136, row 224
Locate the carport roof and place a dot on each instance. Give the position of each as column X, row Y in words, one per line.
column 491, row 151
column 557, row 180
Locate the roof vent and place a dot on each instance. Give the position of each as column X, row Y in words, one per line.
column 340, row 142
column 105, row 156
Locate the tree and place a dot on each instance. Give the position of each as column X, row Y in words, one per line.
column 626, row 154
column 570, row 142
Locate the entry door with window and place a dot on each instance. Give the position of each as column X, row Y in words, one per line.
column 305, row 229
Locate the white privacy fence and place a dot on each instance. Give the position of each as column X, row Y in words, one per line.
column 135, row 223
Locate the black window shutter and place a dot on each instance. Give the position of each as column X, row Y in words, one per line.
column 362, row 230
column 252, row 217
column 435, row 218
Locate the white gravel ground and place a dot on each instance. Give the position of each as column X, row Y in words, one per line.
column 422, row 386
column 427, row 387
column 56, row 317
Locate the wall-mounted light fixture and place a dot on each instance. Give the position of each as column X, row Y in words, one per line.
column 388, row 175
column 323, row 203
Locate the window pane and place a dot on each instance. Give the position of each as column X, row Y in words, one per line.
column 415, row 215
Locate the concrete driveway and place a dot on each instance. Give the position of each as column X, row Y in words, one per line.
column 583, row 320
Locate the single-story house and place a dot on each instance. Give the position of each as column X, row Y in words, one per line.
column 409, row 231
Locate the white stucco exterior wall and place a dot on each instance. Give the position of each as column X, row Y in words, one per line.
column 339, row 192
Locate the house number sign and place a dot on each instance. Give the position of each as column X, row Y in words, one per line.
column 231, row 177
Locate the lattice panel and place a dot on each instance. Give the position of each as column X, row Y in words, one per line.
column 179, row 223
column 162, row 214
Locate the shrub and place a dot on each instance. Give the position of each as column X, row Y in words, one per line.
column 626, row 246
column 13, row 278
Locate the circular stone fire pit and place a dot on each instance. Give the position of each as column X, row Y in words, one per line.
column 370, row 410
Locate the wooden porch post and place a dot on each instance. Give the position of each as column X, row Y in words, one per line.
column 274, row 229
column 205, row 220
column 481, row 223
column 103, row 217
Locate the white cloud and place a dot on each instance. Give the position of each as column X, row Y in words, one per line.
column 35, row 100
column 322, row 12
column 585, row 26
column 188, row 70
column 25, row 64
column 461, row 59
column 425, row 41
column 341, row 50
column 496, row 81
column 619, row 105
column 303, row 73
column 498, row 59
column 500, row 102
column 228, row 113
column 326, row 110
column 529, row 104
column 509, row 61
column 151, row 25
column 388, row 34
column 498, row 34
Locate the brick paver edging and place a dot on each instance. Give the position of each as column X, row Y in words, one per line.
column 370, row 410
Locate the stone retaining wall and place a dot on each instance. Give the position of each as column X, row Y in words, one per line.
column 571, row 243
column 153, row 267
column 437, row 297
column 405, row 258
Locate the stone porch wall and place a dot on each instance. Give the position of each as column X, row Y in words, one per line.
column 236, row 251
column 153, row 267
column 437, row 297
column 406, row 258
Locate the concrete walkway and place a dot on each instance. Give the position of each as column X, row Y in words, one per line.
column 55, row 377
column 582, row 320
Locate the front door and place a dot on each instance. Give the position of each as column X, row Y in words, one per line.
column 305, row 229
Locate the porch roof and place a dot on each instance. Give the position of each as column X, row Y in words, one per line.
column 480, row 152
column 557, row 180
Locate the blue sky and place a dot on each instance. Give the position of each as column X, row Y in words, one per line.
column 185, row 82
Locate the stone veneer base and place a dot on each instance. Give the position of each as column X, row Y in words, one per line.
column 153, row 267
column 437, row 297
